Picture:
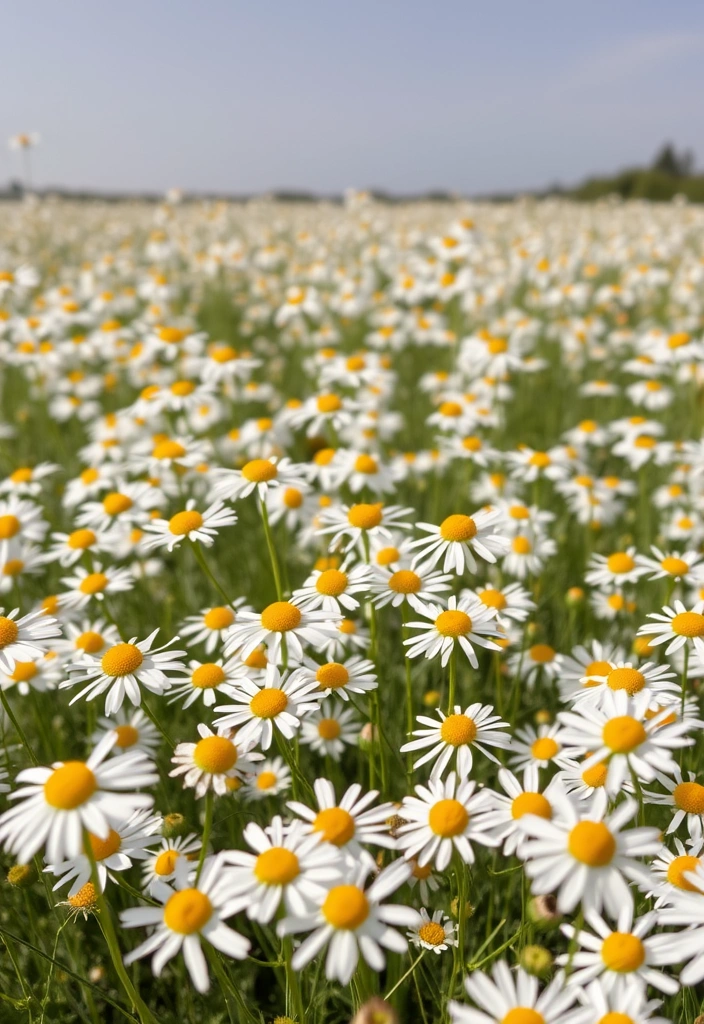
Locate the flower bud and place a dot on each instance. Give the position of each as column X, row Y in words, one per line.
column 375, row 1011
column 21, row 876
column 536, row 960
column 574, row 597
column 542, row 910
column 174, row 825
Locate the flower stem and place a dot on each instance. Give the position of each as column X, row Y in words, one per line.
column 207, row 828
column 453, row 681
column 272, row 551
column 18, row 728
column 200, row 558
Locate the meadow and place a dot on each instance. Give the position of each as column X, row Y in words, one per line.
column 352, row 626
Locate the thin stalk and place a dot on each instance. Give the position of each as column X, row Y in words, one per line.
column 207, row 828
column 272, row 551
column 400, row 981
column 200, row 558
column 453, row 680
column 18, row 728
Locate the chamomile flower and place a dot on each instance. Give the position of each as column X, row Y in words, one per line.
column 686, row 798
column 129, row 506
column 521, row 798
column 352, row 919
column 354, row 525
column 123, row 669
column 210, row 627
column 331, row 728
column 279, row 622
column 444, row 816
column 458, row 539
column 189, row 524
column 206, row 681
column 614, row 570
column 288, row 865
column 437, row 933
column 195, row 911
column 584, row 663
column 25, row 638
column 417, row 589
column 514, row 996
column 171, row 856
column 58, row 802
column 258, row 475
column 92, row 636
column 466, row 621
column 659, row 680
column 270, row 778
column 38, row 675
column 354, row 675
column 511, row 604
column 539, row 661
column 627, row 1004
column 349, row 822
column 587, row 858
column 675, row 626
column 212, row 761
column 527, row 555
column 132, row 729
column 22, row 520
column 685, row 566
column 540, row 747
column 102, row 582
column 69, row 548
column 456, row 735
column 332, row 590
column 280, row 702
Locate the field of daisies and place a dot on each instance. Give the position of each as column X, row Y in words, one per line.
column 352, row 626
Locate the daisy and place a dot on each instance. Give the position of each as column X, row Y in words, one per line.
column 98, row 584
column 618, row 956
column 530, row 465
column 658, row 680
column 456, row 734
column 514, row 997
column 627, row 1004
column 620, row 732
column 457, row 539
column 192, row 913
column 587, row 858
column 279, row 622
column 585, row 662
column 125, row 843
column 258, row 475
column 28, row 480
column 123, row 669
column 287, row 865
column 18, row 561
column 330, row 729
column 25, row 638
column 270, row 778
column 350, row 822
column 92, row 636
column 520, row 799
column 352, row 919
column 526, row 556
column 541, row 747
column 355, row 675
column 673, row 565
column 331, row 590
column 539, row 661
column 466, row 621
column 671, row 869
column 133, row 729
column 348, row 635
column 59, row 802
column 190, row 524
column 211, row 625
column 510, row 604
column 69, row 548
column 615, row 570
column 20, row 519
column 161, row 865
column 676, row 625
column 38, row 675
column 126, row 507
column 279, row 702
column 443, row 817
column 686, row 798
column 206, row 681
column 209, row 763
column 395, row 587
column 357, row 524
column 437, row 932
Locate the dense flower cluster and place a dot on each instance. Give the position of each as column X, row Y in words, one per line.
column 354, row 602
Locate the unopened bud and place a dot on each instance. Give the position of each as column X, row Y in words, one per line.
column 542, row 910
column 454, row 909
column 543, row 717
column 574, row 596
column 431, row 698
column 376, row 1011
column 365, row 737
column 536, row 960
column 96, row 974
column 174, row 825
column 22, row 875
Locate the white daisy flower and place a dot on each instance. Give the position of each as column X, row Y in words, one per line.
column 539, row 661
column 39, row 675
column 627, row 1004
column 527, row 556
column 457, row 539
column 354, row 675
column 353, row 920
column 161, row 865
column 206, row 681
column 92, row 636
column 511, row 604
column 330, row 729
column 59, row 802
column 258, row 475
column 540, row 747
column 417, row 589
column 20, row 519
column 211, row 625
column 288, row 864
column 520, row 799
column 129, row 506
column 514, row 996
column 133, row 729
column 281, row 621
column 28, row 480
column 25, row 638
column 270, row 778
column 123, row 669
column 190, row 524
column 331, row 590
column 69, row 548
column 675, row 565
column 672, row 870
column 443, row 817
column 98, row 584
column 466, row 621
column 455, row 735
column 438, row 932
column 685, row 797
column 280, row 701
column 614, row 570
column 194, row 912
column 585, row 662
column 213, row 761
column 658, row 680
column 675, row 626
column 357, row 524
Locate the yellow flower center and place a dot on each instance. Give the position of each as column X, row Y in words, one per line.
column 628, row 679
column 85, row 898
column 328, row 403
column 678, row 340
column 89, row 476
column 265, row 780
column 218, row 618
column 689, row 797
column 168, row 450
column 8, row 631
column 280, row 617
column 591, row 843
column 450, row 409
column 166, row 863
column 345, row 907
column 259, row 471
column 674, row 566
column 366, row 464
column 329, row 728
column 268, row 703
column 365, row 517
column 457, row 730
column 595, row 777
column 620, row 562
column 519, row 512
column 93, row 583
column 405, row 582
column 24, row 671
column 677, row 869
column 615, row 1017
column 623, row 952
column 293, row 498
column 472, row 444
column 103, row 848
column 121, row 660
column 432, row 933
column 387, row 556
column 492, row 599
column 458, row 528
column 597, row 668
column 448, row 818
column 623, row 734
column 541, row 653
column 79, row 540
column 215, row 754
column 21, row 476
column 523, row 1015
column 276, row 866
column 207, row 676
column 90, row 642
column 331, row 583
column 531, row 803
column 257, row 659
column 182, row 388
column 521, row 545
column 336, row 824
column 541, row 460
column 183, row 522
column 688, row 624
column 453, row 623
column 332, row 676
column 9, row 527
column 127, row 736
column 644, row 441
column 187, row 911
column 222, row 353
column 544, row 748
column 70, row 786
column 115, row 503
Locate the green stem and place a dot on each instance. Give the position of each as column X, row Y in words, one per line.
column 453, row 681
column 207, row 828
column 409, row 699
column 200, row 558
column 17, row 727
column 292, row 984
column 272, row 550
column 400, row 981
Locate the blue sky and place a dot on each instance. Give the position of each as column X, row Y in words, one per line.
column 321, row 95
